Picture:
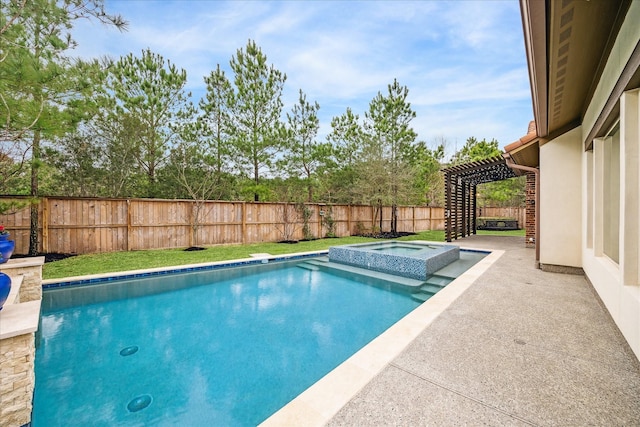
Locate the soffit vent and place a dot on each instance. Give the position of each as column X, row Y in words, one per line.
column 562, row 56
column 579, row 37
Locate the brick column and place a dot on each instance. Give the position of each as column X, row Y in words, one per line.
column 530, row 213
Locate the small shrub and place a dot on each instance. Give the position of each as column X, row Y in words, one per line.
column 360, row 230
column 306, row 213
column 329, row 223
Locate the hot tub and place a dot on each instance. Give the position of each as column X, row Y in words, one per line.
column 415, row 260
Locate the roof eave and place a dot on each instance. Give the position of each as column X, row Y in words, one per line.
column 534, row 23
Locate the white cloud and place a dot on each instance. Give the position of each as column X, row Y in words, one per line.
column 465, row 86
column 463, row 61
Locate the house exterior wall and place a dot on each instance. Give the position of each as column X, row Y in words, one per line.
column 617, row 282
column 561, row 200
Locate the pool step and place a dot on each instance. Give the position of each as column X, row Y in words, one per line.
column 433, row 284
column 421, row 291
column 421, row 296
column 456, row 268
column 432, row 289
column 438, row 280
column 314, row 264
column 342, row 269
column 308, row 266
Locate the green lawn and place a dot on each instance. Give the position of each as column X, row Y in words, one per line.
column 135, row 260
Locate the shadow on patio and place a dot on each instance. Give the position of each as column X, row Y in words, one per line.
column 519, row 347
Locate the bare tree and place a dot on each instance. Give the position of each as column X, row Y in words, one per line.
column 198, row 178
column 289, row 216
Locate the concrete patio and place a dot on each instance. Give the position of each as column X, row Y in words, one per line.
column 519, row 347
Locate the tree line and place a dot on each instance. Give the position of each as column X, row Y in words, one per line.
column 128, row 127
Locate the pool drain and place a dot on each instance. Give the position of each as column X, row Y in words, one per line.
column 128, row 351
column 139, row 403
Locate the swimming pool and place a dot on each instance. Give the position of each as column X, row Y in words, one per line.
column 224, row 347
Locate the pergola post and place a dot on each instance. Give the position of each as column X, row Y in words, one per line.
column 447, row 208
column 474, row 208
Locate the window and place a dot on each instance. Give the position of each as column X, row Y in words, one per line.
column 611, row 194
column 590, row 196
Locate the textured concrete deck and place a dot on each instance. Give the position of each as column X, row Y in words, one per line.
column 519, row 347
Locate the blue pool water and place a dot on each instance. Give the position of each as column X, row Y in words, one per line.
column 400, row 248
column 226, row 347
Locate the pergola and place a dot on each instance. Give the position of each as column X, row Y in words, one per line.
column 460, row 193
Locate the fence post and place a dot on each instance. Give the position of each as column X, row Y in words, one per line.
column 319, row 219
column 191, row 222
column 244, row 222
column 128, row 225
column 373, row 218
column 349, row 220
column 45, row 225
column 414, row 219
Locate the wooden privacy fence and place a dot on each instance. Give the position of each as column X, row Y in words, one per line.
column 84, row 225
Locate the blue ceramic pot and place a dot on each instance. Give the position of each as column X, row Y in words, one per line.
column 6, row 247
column 5, row 288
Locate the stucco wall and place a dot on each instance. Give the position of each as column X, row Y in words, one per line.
column 561, row 200
column 617, row 284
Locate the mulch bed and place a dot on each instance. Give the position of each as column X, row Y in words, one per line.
column 47, row 257
column 387, row 235
column 52, row 257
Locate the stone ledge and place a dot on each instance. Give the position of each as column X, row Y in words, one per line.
column 22, row 263
column 19, row 319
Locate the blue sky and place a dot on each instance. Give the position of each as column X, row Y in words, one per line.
column 463, row 61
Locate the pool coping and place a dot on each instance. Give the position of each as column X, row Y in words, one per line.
column 322, row 400
column 319, row 403
column 255, row 259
